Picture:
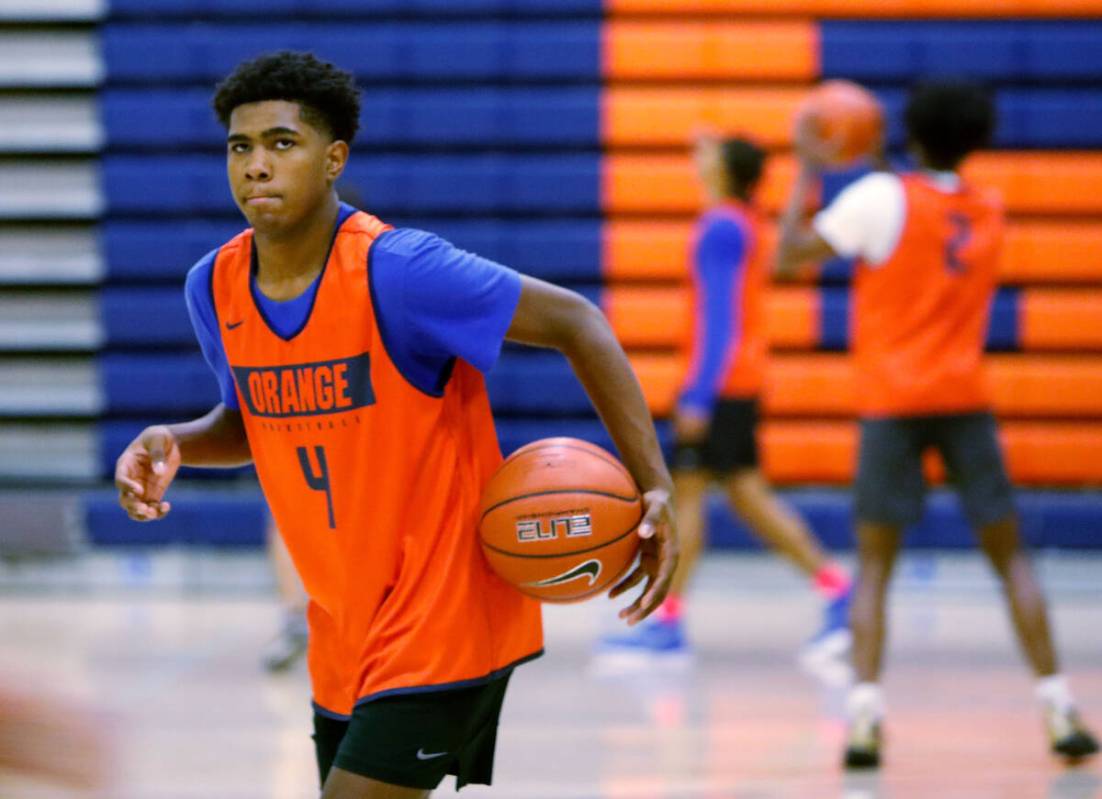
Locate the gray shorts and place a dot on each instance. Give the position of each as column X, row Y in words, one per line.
column 891, row 488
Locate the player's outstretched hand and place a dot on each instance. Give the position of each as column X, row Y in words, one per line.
column 812, row 150
column 658, row 553
column 143, row 473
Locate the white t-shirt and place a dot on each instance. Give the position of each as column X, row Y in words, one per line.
column 866, row 218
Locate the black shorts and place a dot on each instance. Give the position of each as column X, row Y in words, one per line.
column 415, row 740
column 731, row 443
column 891, row 488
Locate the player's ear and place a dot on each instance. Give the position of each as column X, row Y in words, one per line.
column 336, row 156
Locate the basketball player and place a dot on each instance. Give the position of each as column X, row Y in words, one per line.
column 927, row 245
column 350, row 357
column 716, row 418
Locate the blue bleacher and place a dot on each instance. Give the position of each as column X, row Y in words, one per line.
column 506, row 52
column 560, row 250
column 483, row 117
column 290, row 9
column 1002, row 52
column 388, row 184
column 202, row 517
column 152, row 316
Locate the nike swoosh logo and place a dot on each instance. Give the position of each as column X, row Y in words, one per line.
column 234, row 325
column 423, row 755
column 590, row 569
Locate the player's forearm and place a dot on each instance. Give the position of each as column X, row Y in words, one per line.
column 603, row 369
column 215, row 440
column 794, row 230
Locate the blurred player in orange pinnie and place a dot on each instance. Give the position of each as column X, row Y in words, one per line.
column 716, row 418
column 350, row 357
column 927, row 246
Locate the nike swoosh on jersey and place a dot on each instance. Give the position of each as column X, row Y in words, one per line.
column 590, row 569
column 234, row 325
column 423, row 755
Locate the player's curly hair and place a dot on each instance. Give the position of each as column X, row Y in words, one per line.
column 949, row 119
column 327, row 94
column 743, row 161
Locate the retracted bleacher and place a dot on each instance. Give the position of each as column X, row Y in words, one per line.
column 552, row 135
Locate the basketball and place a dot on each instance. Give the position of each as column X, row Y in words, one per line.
column 558, row 520
column 847, row 115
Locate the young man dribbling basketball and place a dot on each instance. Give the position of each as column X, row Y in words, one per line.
column 927, row 245
column 349, row 356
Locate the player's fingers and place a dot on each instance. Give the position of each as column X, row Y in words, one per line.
column 128, row 485
column 639, row 610
column 628, row 582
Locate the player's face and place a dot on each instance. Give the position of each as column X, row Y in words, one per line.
column 281, row 168
column 706, row 155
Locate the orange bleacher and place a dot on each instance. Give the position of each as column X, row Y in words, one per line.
column 677, row 51
column 1037, row 453
column 821, row 384
column 1030, row 182
column 861, row 8
column 1035, row 251
column 658, row 317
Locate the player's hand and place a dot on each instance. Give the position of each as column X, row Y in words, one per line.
column 812, row 150
column 691, row 425
column 658, row 553
column 144, row 471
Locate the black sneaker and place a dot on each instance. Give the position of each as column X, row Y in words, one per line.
column 863, row 743
column 1069, row 738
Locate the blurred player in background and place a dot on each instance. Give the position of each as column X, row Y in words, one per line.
column 927, row 247
column 50, row 739
column 716, row 419
column 350, row 356
column 289, row 644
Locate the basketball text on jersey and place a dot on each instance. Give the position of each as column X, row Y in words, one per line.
column 307, row 389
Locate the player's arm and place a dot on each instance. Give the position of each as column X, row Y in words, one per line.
column 718, row 258
column 549, row 316
column 798, row 243
column 148, row 465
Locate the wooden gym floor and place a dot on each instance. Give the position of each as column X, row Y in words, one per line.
column 169, row 646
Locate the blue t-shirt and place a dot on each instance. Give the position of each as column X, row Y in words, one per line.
column 433, row 303
column 717, row 262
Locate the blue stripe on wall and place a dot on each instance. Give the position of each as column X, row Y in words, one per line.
column 1007, row 52
column 468, row 51
column 393, row 184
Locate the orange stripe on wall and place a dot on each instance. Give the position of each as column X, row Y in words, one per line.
column 1065, row 319
column 655, row 117
column 1042, row 182
column 1035, row 252
column 1039, row 453
column 658, row 316
column 1065, row 182
column 863, row 8
column 818, row 385
column 688, row 51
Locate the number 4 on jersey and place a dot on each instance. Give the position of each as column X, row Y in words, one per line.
column 318, row 481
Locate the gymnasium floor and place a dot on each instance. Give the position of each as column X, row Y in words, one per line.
column 169, row 647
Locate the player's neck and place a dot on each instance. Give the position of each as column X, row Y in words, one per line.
column 288, row 256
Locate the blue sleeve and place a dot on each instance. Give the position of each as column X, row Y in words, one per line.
column 718, row 260
column 200, row 307
column 437, row 302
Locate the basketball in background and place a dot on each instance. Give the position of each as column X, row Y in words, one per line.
column 558, row 520
column 847, row 116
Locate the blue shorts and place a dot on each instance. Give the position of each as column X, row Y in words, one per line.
column 891, row 488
